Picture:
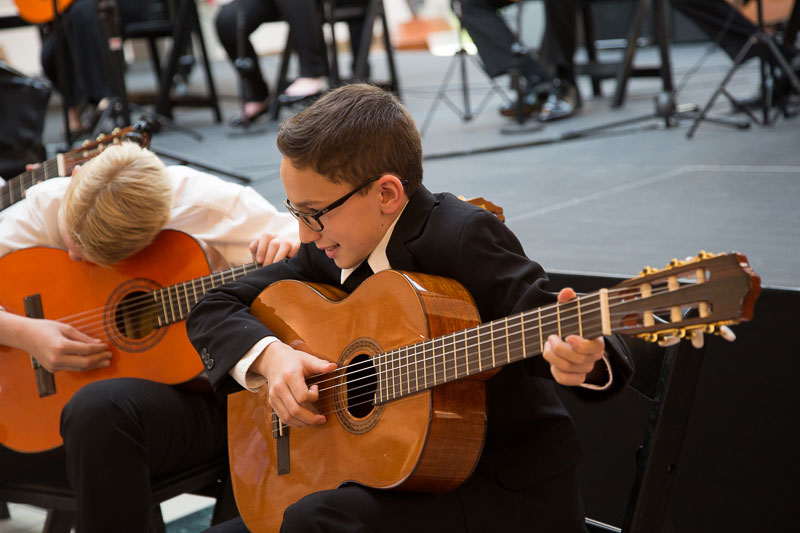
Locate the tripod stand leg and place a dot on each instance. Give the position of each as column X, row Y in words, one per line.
column 736, row 64
column 440, row 94
column 465, row 85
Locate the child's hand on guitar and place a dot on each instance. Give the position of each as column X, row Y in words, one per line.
column 286, row 370
column 573, row 358
column 57, row 346
column 269, row 248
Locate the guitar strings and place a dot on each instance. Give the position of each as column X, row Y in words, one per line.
column 484, row 336
column 144, row 304
column 96, row 324
column 403, row 362
column 356, row 393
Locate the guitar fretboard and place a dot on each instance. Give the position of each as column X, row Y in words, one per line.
column 14, row 190
column 175, row 302
column 424, row 365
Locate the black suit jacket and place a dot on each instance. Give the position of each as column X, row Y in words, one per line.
column 530, row 437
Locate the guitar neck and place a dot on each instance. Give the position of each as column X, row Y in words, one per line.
column 175, row 301
column 458, row 355
column 14, row 190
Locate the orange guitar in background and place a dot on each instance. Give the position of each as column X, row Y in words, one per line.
column 40, row 11
column 775, row 11
column 138, row 307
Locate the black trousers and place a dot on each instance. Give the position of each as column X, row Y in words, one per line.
column 81, row 49
column 118, row 435
column 479, row 505
column 306, row 34
column 494, row 38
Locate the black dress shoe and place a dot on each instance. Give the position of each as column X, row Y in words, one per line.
column 286, row 99
column 239, row 121
column 563, row 102
column 531, row 106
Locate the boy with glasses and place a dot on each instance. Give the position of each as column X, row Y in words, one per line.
column 352, row 172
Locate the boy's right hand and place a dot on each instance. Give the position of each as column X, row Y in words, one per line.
column 286, row 370
column 57, row 346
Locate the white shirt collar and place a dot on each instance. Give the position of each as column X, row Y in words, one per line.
column 377, row 260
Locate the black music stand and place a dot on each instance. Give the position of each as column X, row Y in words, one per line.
column 460, row 59
column 768, row 47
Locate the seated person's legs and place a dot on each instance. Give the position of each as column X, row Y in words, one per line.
column 121, row 433
column 254, row 89
column 307, row 39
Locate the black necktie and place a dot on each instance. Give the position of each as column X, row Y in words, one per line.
column 357, row 276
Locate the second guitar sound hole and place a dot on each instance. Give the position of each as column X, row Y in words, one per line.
column 361, row 386
column 134, row 318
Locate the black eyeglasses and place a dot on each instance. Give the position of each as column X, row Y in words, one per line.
column 312, row 219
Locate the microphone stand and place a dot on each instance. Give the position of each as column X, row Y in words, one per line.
column 518, row 50
column 59, row 38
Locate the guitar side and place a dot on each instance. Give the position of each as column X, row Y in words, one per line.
column 89, row 297
column 429, row 441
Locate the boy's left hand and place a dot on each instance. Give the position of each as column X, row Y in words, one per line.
column 573, row 358
column 269, row 248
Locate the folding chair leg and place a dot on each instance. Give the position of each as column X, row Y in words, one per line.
column 58, row 521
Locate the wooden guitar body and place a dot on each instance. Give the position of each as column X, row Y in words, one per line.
column 427, row 441
column 111, row 304
column 40, row 11
column 406, row 407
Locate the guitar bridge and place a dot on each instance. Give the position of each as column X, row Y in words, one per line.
column 280, row 432
column 45, row 381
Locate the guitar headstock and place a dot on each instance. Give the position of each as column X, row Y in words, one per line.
column 140, row 133
column 721, row 288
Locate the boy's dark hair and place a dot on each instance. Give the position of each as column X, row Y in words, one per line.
column 352, row 134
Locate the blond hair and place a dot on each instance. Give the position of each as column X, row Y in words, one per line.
column 117, row 203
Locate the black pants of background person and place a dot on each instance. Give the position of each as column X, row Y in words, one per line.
column 553, row 505
column 307, row 38
column 306, row 28
column 82, row 53
column 494, row 38
column 118, row 435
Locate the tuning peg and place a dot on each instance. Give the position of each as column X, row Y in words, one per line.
column 647, row 270
column 669, row 340
column 675, row 263
column 697, row 338
column 726, row 333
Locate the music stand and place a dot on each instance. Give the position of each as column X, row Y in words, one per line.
column 460, row 59
column 768, row 47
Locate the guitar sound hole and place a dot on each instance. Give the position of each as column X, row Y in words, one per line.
column 135, row 318
column 361, row 386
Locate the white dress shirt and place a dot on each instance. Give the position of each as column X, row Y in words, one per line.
column 224, row 215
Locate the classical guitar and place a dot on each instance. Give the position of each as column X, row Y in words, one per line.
column 62, row 164
column 407, row 413
column 40, row 11
column 137, row 307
